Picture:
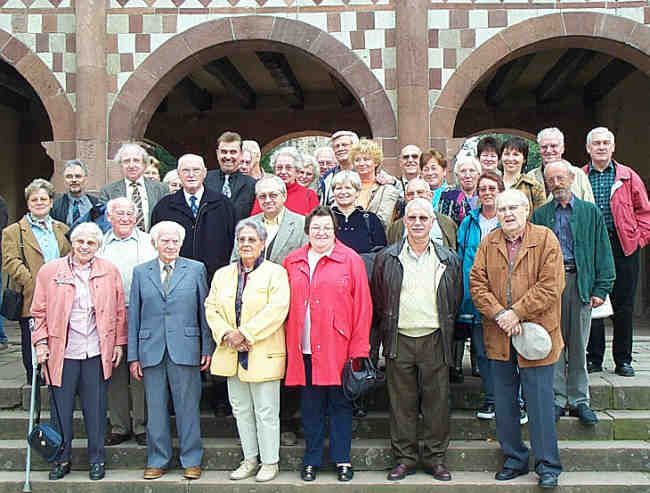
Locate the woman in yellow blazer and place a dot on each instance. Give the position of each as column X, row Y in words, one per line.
column 245, row 309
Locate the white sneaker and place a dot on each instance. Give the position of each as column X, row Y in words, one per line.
column 267, row 472
column 245, row 470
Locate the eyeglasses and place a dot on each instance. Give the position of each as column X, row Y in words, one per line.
column 422, row 219
column 190, row 171
column 319, row 229
column 487, row 189
column 508, row 208
column 412, row 156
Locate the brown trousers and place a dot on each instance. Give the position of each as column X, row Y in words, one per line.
column 418, row 368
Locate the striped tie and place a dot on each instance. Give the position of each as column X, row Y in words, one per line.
column 168, row 274
column 193, row 206
column 226, row 186
column 137, row 200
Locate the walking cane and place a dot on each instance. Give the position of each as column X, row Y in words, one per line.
column 35, row 388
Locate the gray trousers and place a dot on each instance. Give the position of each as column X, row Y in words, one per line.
column 185, row 384
column 126, row 400
column 571, row 381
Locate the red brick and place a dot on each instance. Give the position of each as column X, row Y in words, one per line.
column 142, row 43
column 435, row 78
column 333, row 22
column 70, row 83
column 390, row 75
column 135, row 23
column 71, row 43
column 468, row 38
column 459, row 19
column 646, row 15
column 126, row 62
column 49, row 23
column 497, row 18
column 57, row 62
column 169, row 23
column 375, row 58
column 390, row 38
column 111, row 43
column 433, row 38
column 357, row 40
column 365, row 20
column 449, row 58
column 42, row 42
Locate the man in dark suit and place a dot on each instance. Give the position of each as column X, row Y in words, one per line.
column 143, row 192
column 207, row 216
column 76, row 206
column 170, row 343
column 239, row 188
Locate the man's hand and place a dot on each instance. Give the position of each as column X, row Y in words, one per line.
column 117, row 356
column 136, row 370
column 42, row 352
column 596, row 301
column 205, row 362
column 384, row 178
column 509, row 322
column 234, row 339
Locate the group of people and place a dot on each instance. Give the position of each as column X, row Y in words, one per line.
column 261, row 278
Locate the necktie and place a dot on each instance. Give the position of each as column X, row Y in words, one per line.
column 75, row 211
column 137, row 200
column 193, row 206
column 168, row 274
column 226, row 186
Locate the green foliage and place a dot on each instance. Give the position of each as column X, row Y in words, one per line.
column 265, row 162
column 167, row 161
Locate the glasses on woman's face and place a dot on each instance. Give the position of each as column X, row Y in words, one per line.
column 321, row 229
column 489, row 188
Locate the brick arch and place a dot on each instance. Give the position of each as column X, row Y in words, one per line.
column 616, row 36
column 189, row 50
column 47, row 87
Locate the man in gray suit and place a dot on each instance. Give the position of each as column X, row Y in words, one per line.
column 286, row 229
column 143, row 192
column 170, row 343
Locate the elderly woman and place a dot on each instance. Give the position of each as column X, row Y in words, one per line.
column 246, row 308
column 433, row 170
column 26, row 246
column 457, row 203
column 173, row 181
column 152, row 171
column 309, row 175
column 80, row 327
column 249, row 163
column 287, row 163
column 329, row 321
column 514, row 154
column 366, row 156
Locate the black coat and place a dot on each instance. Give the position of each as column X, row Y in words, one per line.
column 209, row 237
column 61, row 207
column 242, row 188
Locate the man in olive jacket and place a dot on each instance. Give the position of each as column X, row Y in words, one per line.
column 416, row 287
column 589, row 275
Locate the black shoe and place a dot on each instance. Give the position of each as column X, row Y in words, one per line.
column 506, row 474
column 359, row 412
column 586, row 415
column 308, row 473
column 475, row 371
column 97, row 472
column 456, row 375
column 141, row 439
column 559, row 412
column 115, row 439
column 593, row 367
column 486, row 412
column 399, row 472
column 624, row 370
column 58, row 471
column 548, row 480
column 345, row 473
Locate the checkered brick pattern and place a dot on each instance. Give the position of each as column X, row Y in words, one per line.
column 194, row 4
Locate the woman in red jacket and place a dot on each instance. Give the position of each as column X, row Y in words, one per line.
column 329, row 321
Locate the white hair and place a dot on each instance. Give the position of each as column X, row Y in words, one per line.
column 551, row 133
column 512, row 194
column 185, row 157
column 277, row 181
column 325, row 149
column 344, row 133
column 259, row 228
column 131, row 145
column 600, row 130
column 416, row 180
column 166, row 227
column 422, row 204
column 288, row 151
column 88, row 228
column 464, row 159
column 252, row 147
column 113, row 203
column 171, row 175
column 346, row 176
column 563, row 163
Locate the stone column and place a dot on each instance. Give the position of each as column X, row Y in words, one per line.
column 91, row 85
column 411, row 18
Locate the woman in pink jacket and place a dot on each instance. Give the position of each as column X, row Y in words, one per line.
column 79, row 329
column 329, row 321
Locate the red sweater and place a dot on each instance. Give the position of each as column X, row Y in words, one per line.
column 300, row 200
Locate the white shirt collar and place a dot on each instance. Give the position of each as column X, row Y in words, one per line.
column 198, row 196
column 139, row 181
column 162, row 264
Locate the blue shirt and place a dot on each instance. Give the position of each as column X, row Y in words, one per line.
column 562, row 229
column 84, row 209
column 45, row 237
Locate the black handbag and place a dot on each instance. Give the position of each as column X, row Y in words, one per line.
column 12, row 300
column 359, row 382
column 45, row 439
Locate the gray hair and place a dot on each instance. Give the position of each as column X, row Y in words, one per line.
column 308, row 158
column 344, row 133
column 131, row 145
column 422, row 204
column 600, row 130
column 90, row 229
column 74, row 162
column 259, row 228
column 288, row 151
column 166, row 226
column 185, row 157
column 113, row 203
column 563, row 163
column 551, row 133
column 419, row 180
column 325, row 149
column 514, row 195
column 346, row 176
column 252, row 147
column 467, row 159
column 39, row 184
column 275, row 180
column 171, row 175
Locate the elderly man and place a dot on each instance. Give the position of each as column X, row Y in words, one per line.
column 238, row 187
column 518, row 277
column 76, row 206
column 143, row 192
column 125, row 246
column 325, row 159
column 286, row 162
column 589, row 277
column 170, row 343
column 623, row 199
column 409, row 163
column 415, row 327
column 207, row 216
column 285, row 229
column 551, row 148
column 341, row 141
column 443, row 229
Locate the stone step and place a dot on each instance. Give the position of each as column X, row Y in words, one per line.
column 130, row 481
column 613, row 425
column 367, row 454
column 607, row 390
